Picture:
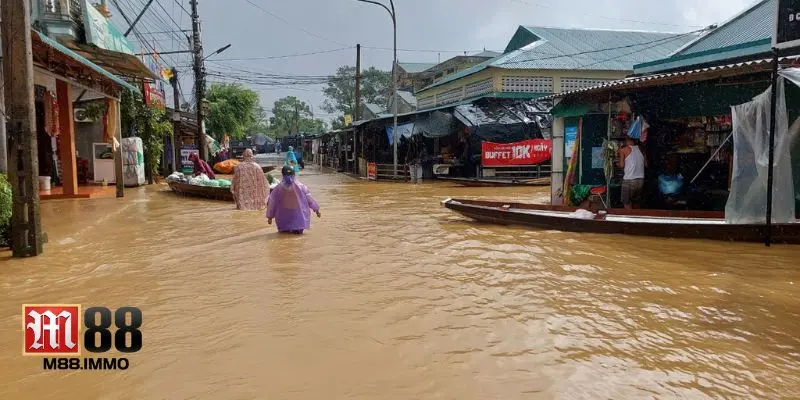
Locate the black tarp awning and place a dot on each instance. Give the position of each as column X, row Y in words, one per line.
column 505, row 121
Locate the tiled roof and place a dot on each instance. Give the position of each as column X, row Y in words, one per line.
column 415, row 67
column 748, row 33
column 579, row 49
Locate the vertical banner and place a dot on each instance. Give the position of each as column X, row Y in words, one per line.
column 372, row 171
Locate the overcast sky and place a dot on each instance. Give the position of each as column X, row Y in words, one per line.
column 442, row 26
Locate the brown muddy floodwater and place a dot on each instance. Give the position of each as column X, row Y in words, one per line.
column 391, row 296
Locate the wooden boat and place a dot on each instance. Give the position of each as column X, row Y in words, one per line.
column 268, row 168
column 214, row 193
column 483, row 182
column 656, row 223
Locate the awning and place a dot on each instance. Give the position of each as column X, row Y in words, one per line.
column 435, row 125
column 566, row 111
column 44, row 39
column 680, row 77
column 120, row 64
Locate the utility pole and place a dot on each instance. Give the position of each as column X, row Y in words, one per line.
column 357, row 111
column 176, row 121
column 26, row 229
column 199, row 81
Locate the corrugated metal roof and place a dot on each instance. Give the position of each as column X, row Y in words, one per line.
column 661, row 79
column 415, row 67
column 374, row 108
column 408, row 97
column 582, row 49
column 748, row 33
column 487, row 54
column 753, row 24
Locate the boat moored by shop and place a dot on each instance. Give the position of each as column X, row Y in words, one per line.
column 654, row 223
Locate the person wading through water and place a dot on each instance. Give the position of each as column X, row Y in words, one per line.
column 249, row 187
column 290, row 204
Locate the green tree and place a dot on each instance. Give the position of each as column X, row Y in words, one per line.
column 291, row 115
column 150, row 124
column 340, row 92
column 230, row 110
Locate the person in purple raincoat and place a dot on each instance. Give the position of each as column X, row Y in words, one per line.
column 290, row 204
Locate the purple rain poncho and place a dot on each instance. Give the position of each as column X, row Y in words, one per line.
column 290, row 204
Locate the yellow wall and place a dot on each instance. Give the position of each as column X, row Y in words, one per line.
column 498, row 73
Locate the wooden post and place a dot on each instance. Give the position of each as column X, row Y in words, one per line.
column 116, row 132
column 23, row 164
column 68, row 158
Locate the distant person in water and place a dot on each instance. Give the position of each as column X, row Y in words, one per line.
column 201, row 167
column 290, row 204
column 249, row 186
column 291, row 160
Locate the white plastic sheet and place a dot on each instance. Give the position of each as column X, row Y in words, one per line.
column 747, row 202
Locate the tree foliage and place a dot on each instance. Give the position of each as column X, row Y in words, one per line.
column 148, row 123
column 231, row 110
column 340, row 92
column 291, row 115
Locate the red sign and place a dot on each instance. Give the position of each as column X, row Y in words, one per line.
column 51, row 329
column 153, row 96
column 527, row 152
column 372, row 171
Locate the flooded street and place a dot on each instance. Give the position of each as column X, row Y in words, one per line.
column 392, row 296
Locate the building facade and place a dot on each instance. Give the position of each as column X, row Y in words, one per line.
column 541, row 61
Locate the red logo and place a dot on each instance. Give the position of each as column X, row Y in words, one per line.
column 51, row 329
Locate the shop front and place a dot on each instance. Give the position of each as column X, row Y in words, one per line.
column 681, row 122
column 77, row 122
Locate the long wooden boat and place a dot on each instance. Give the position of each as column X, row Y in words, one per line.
column 483, row 182
column 268, row 168
column 214, row 193
column 656, row 223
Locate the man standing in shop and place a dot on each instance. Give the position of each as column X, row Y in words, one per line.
column 632, row 161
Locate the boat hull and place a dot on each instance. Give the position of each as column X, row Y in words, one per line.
column 684, row 225
column 473, row 182
column 213, row 193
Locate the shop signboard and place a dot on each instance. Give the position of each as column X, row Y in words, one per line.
column 372, row 171
column 188, row 166
column 102, row 33
column 526, row 152
column 787, row 25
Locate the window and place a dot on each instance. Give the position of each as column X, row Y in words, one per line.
column 527, row 84
column 570, row 84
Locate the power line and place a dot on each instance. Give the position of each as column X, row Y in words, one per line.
column 293, row 25
column 283, row 56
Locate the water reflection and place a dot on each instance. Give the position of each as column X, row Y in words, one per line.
column 389, row 295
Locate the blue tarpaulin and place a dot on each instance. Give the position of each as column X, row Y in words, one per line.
column 405, row 130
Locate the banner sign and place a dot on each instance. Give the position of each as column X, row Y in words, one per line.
column 527, row 152
column 787, row 25
column 102, row 33
column 153, row 96
column 372, row 171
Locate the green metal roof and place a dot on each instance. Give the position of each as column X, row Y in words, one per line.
column 77, row 57
column 748, row 33
column 415, row 67
column 578, row 49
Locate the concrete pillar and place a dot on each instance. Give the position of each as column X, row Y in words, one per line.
column 67, row 126
column 116, row 132
column 557, row 175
